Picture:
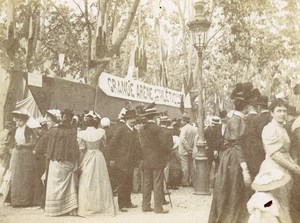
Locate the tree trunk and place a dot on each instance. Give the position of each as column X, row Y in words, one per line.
column 13, row 81
column 95, row 72
column 88, row 25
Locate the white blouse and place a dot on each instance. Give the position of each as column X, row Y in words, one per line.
column 20, row 135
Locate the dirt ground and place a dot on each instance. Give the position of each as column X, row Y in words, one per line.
column 187, row 208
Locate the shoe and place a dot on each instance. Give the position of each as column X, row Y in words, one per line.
column 165, row 202
column 131, row 206
column 162, row 212
column 148, row 210
column 123, row 209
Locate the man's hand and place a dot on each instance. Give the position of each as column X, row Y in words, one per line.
column 216, row 154
column 112, row 163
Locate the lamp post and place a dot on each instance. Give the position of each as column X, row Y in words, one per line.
column 200, row 25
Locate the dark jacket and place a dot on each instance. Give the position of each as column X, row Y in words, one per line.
column 256, row 144
column 213, row 137
column 155, row 147
column 61, row 144
column 124, row 148
column 30, row 138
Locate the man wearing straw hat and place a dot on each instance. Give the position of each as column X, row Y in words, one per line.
column 155, row 155
column 187, row 136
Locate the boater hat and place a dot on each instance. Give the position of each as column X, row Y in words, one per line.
column 270, row 180
column 215, row 120
column 150, row 111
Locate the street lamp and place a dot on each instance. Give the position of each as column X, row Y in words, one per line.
column 199, row 26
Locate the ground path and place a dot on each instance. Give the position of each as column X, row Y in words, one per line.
column 187, row 208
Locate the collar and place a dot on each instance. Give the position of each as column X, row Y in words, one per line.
column 240, row 114
column 90, row 128
column 274, row 122
column 23, row 128
column 129, row 127
column 151, row 121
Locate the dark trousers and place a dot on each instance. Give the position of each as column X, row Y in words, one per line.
column 125, row 188
column 153, row 179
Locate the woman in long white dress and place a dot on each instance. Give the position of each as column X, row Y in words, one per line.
column 95, row 194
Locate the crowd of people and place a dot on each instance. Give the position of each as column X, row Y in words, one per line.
column 76, row 164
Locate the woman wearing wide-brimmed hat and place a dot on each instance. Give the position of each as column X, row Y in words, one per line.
column 22, row 166
column 63, row 154
column 276, row 143
column 231, row 191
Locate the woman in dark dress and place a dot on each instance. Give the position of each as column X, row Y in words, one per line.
column 22, row 165
column 233, row 178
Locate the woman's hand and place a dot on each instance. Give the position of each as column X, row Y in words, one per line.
column 247, row 178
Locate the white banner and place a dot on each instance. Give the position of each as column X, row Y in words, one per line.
column 136, row 90
column 35, row 79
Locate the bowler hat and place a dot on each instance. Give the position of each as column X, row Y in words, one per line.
column 262, row 100
column 130, row 114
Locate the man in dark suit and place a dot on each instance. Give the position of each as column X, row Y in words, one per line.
column 251, row 139
column 155, row 154
column 259, row 123
column 124, row 150
column 213, row 137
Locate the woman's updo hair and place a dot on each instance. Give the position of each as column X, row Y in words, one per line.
column 278, row 102
column 90, row 122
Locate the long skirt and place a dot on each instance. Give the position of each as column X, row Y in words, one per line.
column 61, row 194
column 230, row 196
column 22, row 177
column 95, row 194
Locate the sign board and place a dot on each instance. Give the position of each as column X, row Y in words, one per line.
column 138, row 91
column 35, row 79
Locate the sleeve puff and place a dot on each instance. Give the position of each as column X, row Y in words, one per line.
column 81, row 142
column 271, row 140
